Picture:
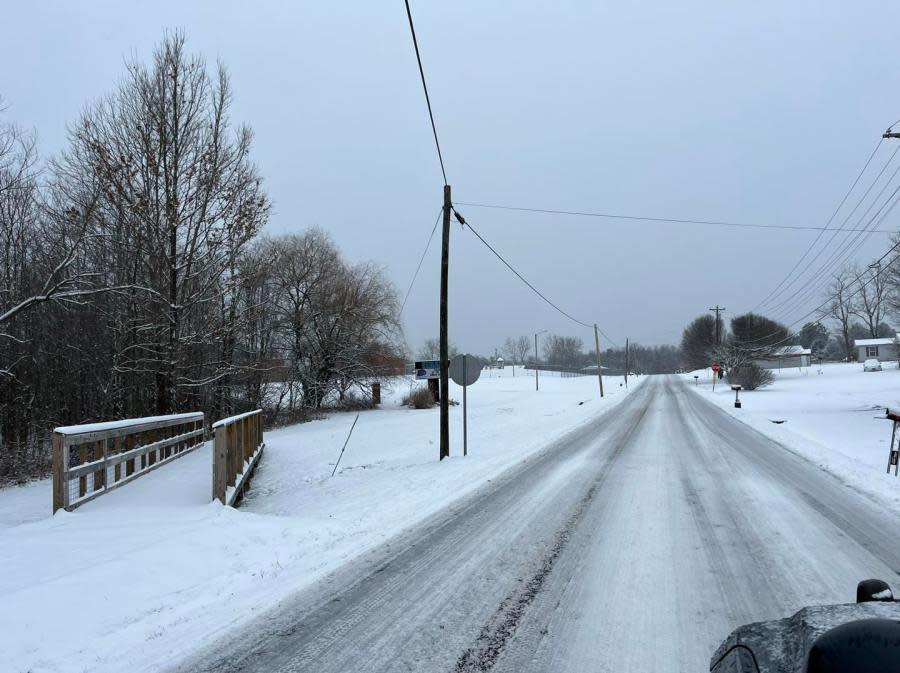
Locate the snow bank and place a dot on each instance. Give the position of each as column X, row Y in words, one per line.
column 832, row 414
column 143, row 576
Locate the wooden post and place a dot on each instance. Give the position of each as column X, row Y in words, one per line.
column 444, row 347
column 100, row 454
column 220, row 463
column 151, row 455
column 118, row 449
column 60, row 470
column 599, row 367
column 82, row 481
column 129, row 464
column 232, row 452
column 246, row 441
column 626, row 363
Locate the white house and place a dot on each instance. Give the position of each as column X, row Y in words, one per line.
column 787, row 356
column 883, row 350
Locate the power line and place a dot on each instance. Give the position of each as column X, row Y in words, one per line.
column 845, row 253
column 421, row 259
column 842, row 229
column 830, row 219
column 844, row 250
column 818, row 308
column 612, row 216
column 437, row 144
column 540, row 294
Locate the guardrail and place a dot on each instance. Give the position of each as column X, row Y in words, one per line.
column 93, row 459
column 237, row 447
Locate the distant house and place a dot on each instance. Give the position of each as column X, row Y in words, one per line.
column 788, row 356
column 883, row 350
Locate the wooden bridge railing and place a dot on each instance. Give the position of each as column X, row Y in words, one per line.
column 237, row 447
column 90, row 460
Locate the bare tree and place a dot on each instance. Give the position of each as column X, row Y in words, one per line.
column 336, row 324
column 430, row 349
column 517, row 349
column 180, row 199
column 872, row 291
column 842, row 308
column 563, row 351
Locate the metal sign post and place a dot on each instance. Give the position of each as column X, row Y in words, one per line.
column 465, row 413
column 464, row 375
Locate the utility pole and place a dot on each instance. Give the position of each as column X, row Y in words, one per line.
column 444, row 348
column 599, row 368
column 717, row 310
column 626, row 363
column 537, row 385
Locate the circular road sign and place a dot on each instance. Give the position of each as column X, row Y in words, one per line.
column 464, row 370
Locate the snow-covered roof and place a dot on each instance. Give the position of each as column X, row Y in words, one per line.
column 874, row 342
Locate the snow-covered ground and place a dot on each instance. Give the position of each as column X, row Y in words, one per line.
column 142, row 576
column 832, row 414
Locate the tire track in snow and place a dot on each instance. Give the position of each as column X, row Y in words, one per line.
column 739, row 533
column 484, row 652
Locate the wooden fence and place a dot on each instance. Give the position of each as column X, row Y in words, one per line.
column 237, row 447
column 90, row 460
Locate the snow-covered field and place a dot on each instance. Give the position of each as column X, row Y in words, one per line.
column 832, row 414
column 142, row 576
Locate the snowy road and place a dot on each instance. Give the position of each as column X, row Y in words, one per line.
column 635, row 543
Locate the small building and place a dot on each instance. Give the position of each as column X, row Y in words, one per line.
column 883, row 349
column 786, row 357
column 499, row 363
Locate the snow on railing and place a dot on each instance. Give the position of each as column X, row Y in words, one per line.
column 237, row 447
column 92, row 459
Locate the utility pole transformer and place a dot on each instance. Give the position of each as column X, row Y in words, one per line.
column 599, row 368
column 444, row 347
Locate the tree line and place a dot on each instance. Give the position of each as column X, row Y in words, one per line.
column 135, row 281
column 569, row 352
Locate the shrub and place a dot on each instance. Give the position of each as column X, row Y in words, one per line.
column 420, row 398
column 355, row 401
column 750, row 376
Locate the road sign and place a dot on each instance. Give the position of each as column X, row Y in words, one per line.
column 464, row 370
column 716, row 367
column 428, row 369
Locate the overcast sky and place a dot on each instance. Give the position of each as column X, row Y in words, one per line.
column 750, row 112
